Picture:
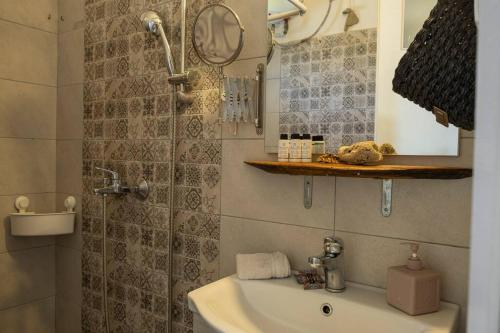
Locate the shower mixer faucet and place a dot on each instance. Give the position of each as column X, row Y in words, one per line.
column 117, row 188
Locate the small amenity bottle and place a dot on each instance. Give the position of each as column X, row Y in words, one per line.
column 283, row 148
column 295, row 148
column 413, row 288
column 318, row 146
column 306, row 148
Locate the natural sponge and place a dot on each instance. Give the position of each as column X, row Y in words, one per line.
column 366, row 152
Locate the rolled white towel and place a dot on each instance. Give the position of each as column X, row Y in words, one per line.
column 259, row 266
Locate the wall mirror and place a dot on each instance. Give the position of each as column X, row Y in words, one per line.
column 338, row 84
column 217, row 35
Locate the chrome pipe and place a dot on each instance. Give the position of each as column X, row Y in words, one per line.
column 301, row 10
column 168, row 51
column 104, row 265
column 300, row 6
column 183, row 35
column 173, row 107
column 284, row 15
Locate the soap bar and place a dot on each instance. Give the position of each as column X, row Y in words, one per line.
column 415, row 292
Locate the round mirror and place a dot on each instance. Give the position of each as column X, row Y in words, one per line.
column 217, row 35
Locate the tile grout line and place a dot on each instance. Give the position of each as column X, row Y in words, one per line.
column 406, row 239
column 71, row 85
column 31, row 248
column 31, row 139
column 220, row 202
column 69, row 247
column 29, row 26
column 274, row 222
column 28, row 82
column 26, row 193
column 350, row 232
column 37, row 300
column 241, row 139
column 70, row 139
column 66, row 32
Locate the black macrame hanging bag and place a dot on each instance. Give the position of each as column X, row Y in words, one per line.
column 438, row 72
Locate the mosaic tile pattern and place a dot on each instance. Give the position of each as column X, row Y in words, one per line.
column 328, row 87
column 128, row 128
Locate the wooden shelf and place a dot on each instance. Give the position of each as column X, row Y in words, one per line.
column 360, row 171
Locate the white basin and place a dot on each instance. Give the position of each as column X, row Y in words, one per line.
column 231, row 305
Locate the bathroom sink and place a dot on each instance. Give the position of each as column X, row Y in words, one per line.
column 231, row 305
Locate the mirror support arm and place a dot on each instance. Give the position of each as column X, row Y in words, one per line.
column 259, row 112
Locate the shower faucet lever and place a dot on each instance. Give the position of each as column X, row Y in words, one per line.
column 114, row 175
column 117, row 188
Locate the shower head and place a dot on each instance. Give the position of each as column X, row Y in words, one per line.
column 153, row 24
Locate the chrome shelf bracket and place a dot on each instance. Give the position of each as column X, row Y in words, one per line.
column 386, row 197
column 308, row 191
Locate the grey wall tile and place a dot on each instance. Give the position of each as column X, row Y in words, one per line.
column 28, row 54
column 71, row 14
column 74, row 240
column 68, row 316
column 424, row 210
column 68, row 276
column 69, row 166
column 249, row 236
column 30, row 166
column 255, row 23
column 33, row 14
column 70, row 57
column 38, row 203
column 27, row 275
column 70, row 112
column 251, row 193
column 368, row 257
column 27, row 110
column 35, row 317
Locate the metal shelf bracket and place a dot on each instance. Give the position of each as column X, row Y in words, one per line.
column 308, row 191
column 386, row 197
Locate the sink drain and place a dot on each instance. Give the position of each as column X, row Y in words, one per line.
column 326, row 309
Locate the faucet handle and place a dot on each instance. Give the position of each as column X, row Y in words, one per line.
column 333, row 246
column 314, row 262
column 114, row 174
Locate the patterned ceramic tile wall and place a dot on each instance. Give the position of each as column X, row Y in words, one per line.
column 328, row 87
column 127, row 127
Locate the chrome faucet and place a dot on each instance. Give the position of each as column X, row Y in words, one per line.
column 332, row 263
column 117, row 188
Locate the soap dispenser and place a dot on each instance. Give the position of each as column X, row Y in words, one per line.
column 413, row 288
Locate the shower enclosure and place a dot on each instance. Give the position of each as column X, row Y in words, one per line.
column 139, row 279
column 154, row 25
